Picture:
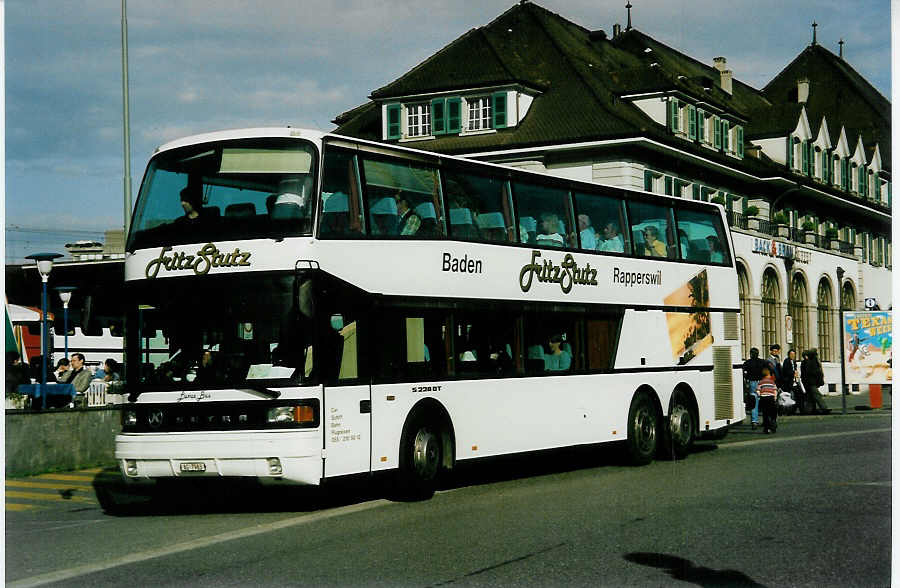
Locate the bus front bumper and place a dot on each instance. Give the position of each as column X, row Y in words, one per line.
column 271, row 456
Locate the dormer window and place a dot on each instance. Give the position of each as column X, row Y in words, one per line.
column 451, row 115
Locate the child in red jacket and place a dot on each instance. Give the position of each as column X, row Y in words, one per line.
column 768, row 393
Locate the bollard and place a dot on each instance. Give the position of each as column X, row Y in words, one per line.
column 875, row 400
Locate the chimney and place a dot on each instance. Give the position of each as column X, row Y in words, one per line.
column 725, row 81
column 724, row 74
column 617, row 30
column 802, row 90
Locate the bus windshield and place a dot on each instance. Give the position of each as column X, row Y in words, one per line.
column 231, row 190
column 232, row 332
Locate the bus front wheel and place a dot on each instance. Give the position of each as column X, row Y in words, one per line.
column 420, row 459
column 643, row 428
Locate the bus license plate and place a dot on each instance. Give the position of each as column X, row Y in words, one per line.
column 193, row 466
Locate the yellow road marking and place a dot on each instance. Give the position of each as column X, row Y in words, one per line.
column 48, row 485
column 13, row 506
column 45, row 496
column 67, row 477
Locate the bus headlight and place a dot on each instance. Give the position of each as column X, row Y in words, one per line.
column 302, row 414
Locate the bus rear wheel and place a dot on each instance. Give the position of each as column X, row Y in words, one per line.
column 420, row 459
column 643, row 428
column 679, row 431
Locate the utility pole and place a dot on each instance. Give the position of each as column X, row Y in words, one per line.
column 125, row 121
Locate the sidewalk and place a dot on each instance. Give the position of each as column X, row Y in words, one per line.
column 857, row 403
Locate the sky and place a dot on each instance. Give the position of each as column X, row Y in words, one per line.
column 204, row 65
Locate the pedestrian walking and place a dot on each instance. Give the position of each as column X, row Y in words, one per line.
column 752, row 375
column 768, row 392
column 812, row 377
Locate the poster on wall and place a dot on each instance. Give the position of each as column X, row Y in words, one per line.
column 867, row 339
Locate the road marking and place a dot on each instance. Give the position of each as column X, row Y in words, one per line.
column 19, row 507
column 772, row 439
column 24, row 484
column 82, row 570
column 67, row 477
column 46, row 496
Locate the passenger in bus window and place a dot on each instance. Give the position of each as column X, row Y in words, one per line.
column 551, row 227
column 716, row 254
column 111, row 370
column 409, row 220
column 653, row 247
column 612, row 239
column 560, row 357
column 586, row 231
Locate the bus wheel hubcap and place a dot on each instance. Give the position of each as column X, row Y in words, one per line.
column 425, row 454
column 645, row 429
column 680, row 423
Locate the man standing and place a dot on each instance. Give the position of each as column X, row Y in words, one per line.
column 790, row 374
column 753, row 374
column 775, row 363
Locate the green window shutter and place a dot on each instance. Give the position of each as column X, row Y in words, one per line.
column 860, row 180
column 695, row 191
column 845, row 169
column 889, row 194
column 701, row 125
column 673, row 114
column 438, row 116
column 648, row 180
column 668, row 183
column 789, row 153
column 804, row 158
column 499, row 109
column 454, row 114
column 692, row 122
column 393, row 121
column 739, row 132
column 825, row 170
column 717, row 133
column 725, row 126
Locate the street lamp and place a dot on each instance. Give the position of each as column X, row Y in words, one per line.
column 44, row 266
column 840, row 297
column 65, row 294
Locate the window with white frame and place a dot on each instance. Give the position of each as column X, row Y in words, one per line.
column 418, row 120
column 479, row 111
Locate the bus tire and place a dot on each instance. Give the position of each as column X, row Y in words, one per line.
column 680, row 429
column 643, row 429
column 420, row 458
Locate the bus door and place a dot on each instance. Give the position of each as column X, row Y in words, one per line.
column 347, row 412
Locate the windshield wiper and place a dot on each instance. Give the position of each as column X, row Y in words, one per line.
column 267, row 392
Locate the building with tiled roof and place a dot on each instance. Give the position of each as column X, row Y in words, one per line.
column 803, row 165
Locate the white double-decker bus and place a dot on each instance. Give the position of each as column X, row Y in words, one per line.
column 303, row 306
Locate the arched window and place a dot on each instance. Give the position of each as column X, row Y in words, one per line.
column 823, row 321
column 769, row 300
column 797, row 310
column 848, row 297
column 744, row 295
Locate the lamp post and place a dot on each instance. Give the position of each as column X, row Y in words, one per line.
column 840, row 297
column 44, row 266
column 65, row 294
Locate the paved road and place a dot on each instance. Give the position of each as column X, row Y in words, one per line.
column 809, row 506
